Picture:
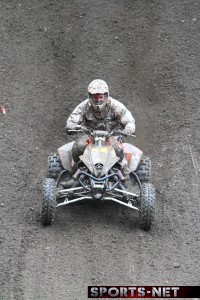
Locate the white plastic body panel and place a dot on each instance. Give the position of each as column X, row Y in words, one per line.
column 133, row 155
column 65, row 154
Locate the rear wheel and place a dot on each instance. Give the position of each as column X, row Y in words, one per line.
column 148, row 202
column 54, row 166
column 144, row 169
column 48, row 201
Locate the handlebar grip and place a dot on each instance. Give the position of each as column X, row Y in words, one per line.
column 71, row 132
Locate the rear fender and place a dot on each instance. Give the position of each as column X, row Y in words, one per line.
column 65, row 154
column 133, row 156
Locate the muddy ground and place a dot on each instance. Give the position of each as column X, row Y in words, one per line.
column 148, row 52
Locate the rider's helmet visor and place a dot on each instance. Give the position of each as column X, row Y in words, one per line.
column 99, row 98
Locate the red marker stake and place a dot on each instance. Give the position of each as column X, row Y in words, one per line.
column 3, row 109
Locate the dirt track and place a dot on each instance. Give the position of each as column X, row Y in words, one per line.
column 148, row 52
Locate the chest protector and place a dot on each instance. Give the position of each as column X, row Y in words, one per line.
column 106, row 120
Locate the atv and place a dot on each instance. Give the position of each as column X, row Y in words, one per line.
column 98, row 176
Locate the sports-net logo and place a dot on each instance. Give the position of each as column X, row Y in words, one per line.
column 143, row 292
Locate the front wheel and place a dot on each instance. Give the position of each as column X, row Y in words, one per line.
column 48, row 201
column 148, row 202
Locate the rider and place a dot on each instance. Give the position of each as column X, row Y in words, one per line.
column 101, row 112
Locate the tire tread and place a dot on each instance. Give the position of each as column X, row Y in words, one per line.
column 147, row 215
column 54, row 166
column 144, row 169
column 49, row 201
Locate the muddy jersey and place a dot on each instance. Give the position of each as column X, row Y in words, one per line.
column 114, row 116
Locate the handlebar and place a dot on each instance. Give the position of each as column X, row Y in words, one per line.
column 103, row 133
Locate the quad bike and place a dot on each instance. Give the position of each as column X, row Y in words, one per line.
column 98, row 177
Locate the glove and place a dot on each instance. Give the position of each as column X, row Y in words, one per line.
column 129, row 130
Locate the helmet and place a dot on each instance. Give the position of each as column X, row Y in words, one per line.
column 98, row 93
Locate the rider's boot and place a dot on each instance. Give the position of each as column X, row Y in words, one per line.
column 125, row 172
column 128, row 184
column 68, row 184
column 124, row 167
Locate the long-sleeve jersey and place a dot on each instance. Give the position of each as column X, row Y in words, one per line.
column 114, row 116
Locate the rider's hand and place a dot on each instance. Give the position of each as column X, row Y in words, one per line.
column 78, row 127
column 71, row 131
column 129, row 130
column 85, row 129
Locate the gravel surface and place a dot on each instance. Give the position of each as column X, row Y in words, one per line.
column 148, row 52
